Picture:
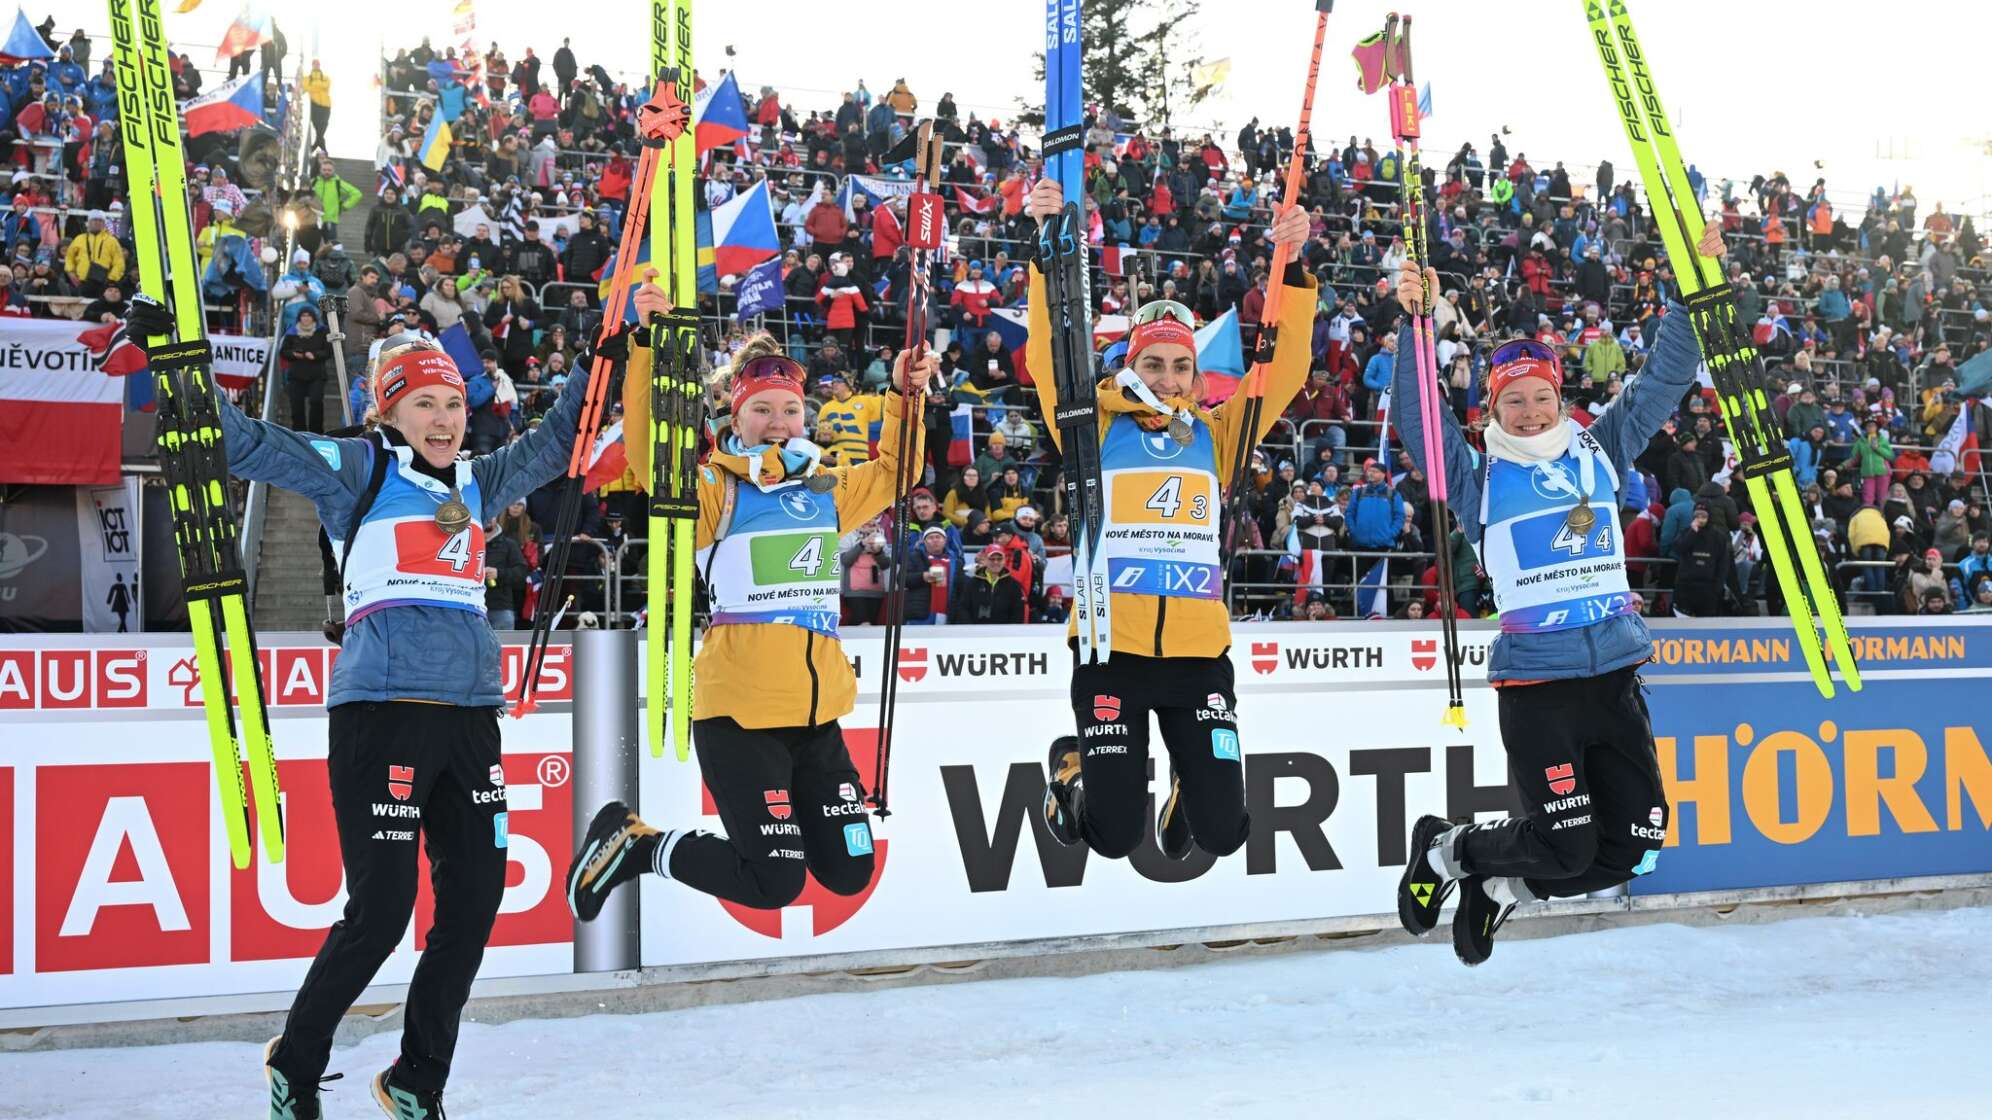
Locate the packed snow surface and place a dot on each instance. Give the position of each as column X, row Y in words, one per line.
column 1862, row 1016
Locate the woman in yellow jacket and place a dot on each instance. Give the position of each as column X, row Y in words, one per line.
column 1172, row 631
column 772, row 678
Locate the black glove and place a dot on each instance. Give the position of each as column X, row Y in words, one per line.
column 147, row 318
column 615, row 347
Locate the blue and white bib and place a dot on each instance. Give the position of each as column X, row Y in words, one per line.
column 778, row 560
column 401, row 557
column 1546, row 574
column 1161, row 535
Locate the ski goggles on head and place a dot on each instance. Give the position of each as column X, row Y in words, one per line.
column 1525, row 349
column 770, row 372
column 1165, row 309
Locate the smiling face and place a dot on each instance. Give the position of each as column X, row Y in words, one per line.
column 1168, row 369
column 769, row 418
column 1527, row 407
column 432, row 420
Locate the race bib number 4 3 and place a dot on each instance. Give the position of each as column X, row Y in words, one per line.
column 781, row 558
column 1161, row 498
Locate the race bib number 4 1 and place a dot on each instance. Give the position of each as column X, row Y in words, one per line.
column 423, row 549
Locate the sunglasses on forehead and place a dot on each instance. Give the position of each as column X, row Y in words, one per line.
column 770, row 365
column 1523, row 348
column 1165, row 309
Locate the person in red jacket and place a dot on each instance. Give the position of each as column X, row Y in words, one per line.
column 844, row 300
column 826, row 225
column 888, row 230
column 972, row 300
column 1324, row 400
column 1642, row 541
column 1162, row 202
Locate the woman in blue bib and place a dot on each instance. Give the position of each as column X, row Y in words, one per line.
column 1541, row 508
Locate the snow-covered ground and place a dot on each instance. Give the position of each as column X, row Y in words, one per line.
column 1880, row 1016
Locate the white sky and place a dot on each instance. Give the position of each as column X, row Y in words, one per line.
column 1748, row 85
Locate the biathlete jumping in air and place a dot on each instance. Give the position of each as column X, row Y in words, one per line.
column 772, row 680
column 1541, row 507
column 1162, row 458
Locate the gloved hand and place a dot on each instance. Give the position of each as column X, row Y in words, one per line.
column 148, row 317
column 615, row 347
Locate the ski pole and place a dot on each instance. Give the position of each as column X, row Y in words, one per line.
column 1254, row 385
column 925, row 225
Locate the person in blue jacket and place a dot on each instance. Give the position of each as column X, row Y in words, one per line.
column 414, row 702
column 1540, row 506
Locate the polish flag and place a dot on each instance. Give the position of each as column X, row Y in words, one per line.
column 61, row 413
column 607, row 460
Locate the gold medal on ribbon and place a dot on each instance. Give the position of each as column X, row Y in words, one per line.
column 453, row 516
column 820, row 482
column 1581, row 517
column 1180, row 431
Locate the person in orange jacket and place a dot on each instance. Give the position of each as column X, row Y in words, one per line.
column 1171, row 629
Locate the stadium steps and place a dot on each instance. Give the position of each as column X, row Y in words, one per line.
column 353, row 223
column 289, row 590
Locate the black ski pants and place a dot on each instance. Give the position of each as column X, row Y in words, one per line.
column 792, row 806
column 397, row 769
column 1580, row 755
column 1193, row 702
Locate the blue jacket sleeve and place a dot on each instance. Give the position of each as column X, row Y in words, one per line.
column 1651, row 395
column 536, row 458
column 1461, row 460
column 1377, row 372
column 330, row 472
column 479, row 390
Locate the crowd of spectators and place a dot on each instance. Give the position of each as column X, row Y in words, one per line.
column 1863, row 322
column 1865, row 325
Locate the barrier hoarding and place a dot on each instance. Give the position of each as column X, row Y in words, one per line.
column 115, row 885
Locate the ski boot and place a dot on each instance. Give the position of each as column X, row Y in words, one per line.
column 1064, row 795
column 403, row 1103
column 1422, row 890
column 1172, row 827
column 1484, row 906
column 618, row 848
column 290, row 1100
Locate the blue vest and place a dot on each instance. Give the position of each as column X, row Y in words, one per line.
column 401, row 557
column 1161, row 535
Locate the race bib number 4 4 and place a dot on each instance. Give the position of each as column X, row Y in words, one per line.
column 423, row 549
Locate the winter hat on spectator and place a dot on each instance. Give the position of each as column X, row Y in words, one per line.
column 415, row 366
column 1032, row 513
column 935, row 531
column 1932, row 554
column 1903, row 522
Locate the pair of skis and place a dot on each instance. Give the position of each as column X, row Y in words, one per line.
column 926, row 223
column 191, row 454
column 1734, row 365
column 1068, row 293
column 1384, row 62
column 1253, row 390
column 677, row 405
column 659, row 121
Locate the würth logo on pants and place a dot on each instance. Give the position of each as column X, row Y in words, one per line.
column 1562, row 779
column 401, row 781
column 778, row 803
column 1106, row 707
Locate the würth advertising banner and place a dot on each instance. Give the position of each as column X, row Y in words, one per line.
column 115, row 883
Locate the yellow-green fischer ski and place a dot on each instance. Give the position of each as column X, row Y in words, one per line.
column 191, row 454
column 1734, row 365
column 677, row 398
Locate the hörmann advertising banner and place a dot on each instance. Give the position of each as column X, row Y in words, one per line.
column 115, row 883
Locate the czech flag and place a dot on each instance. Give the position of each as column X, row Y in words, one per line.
column 250, row 30
column 743, row 231
column 717, row 115
column 24, row 44
column 961, row 436
column 1013, row 325
column 232, row 105
column 608, row 460
column 1221, row 356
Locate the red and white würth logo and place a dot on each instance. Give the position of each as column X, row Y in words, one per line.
column 778, row 803
column 913, row 664
column 400, row 781
column 1424, row 654
column 1265, row 657
column 1562, row 779
column 1106, row 707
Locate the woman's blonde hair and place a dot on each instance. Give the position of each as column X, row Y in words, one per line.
column 760, row 344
